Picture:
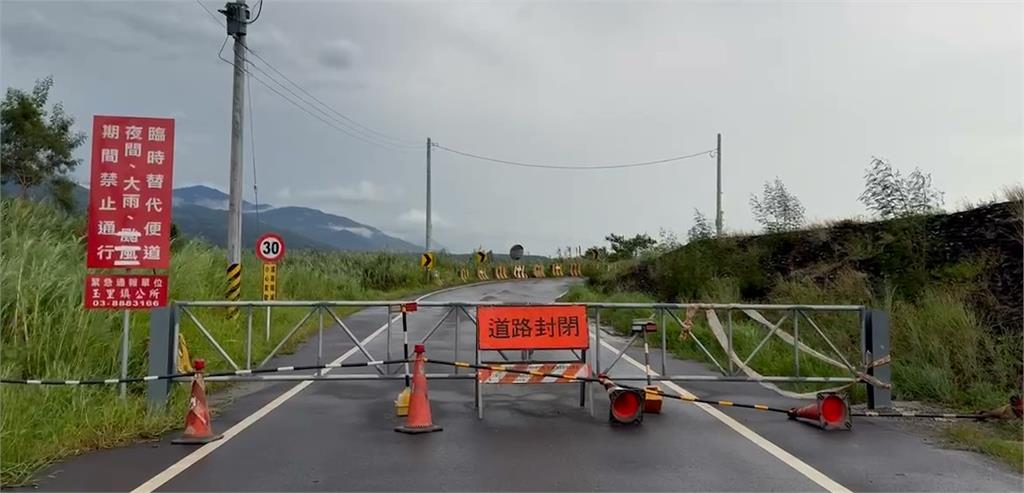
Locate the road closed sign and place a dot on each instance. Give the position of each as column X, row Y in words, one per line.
column 532, row 327
column 270, row 248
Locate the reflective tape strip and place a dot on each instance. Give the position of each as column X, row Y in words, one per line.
column 761, row 407
column 72, row 382
column 242, row 372
column 111, row 380
column 870, row 413
column 35, row 382
column 559, row 369
column 949, row 415
column 287, row 368
column 724, row 403
column 149, row 378
column 374, row 363
column 461, row 364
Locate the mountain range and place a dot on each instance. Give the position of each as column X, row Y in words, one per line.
column 201, row 211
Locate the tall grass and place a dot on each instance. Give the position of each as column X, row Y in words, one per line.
column 45, row 333
column 941, row 349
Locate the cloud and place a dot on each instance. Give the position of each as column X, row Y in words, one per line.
column 339, row 55
column 419, row 216
column 363, row 192
column 364, row 232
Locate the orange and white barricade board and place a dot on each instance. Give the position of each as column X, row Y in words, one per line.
column 528, row 328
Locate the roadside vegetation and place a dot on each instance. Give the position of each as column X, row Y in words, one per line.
column 46, row 333
column 950, row 282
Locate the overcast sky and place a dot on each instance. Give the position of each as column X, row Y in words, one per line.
column 803, row 91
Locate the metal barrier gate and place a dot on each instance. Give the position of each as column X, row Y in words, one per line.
column 872, row 327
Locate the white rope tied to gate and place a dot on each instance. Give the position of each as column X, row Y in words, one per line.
column 716, row 329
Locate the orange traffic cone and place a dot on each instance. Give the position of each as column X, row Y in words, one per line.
column 418, row 420
column 626, row 406
column 197, row 421
column 830, row 412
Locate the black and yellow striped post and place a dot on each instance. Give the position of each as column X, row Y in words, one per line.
column 234, row 291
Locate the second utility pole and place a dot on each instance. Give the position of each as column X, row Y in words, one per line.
column 427, row 245
column 718, row 195
column 237, row 14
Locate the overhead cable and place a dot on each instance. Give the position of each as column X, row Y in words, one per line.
column 351, row 121
column 299, row 106
column 575, row 167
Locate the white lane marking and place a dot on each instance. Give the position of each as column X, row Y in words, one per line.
column 190, row 459
column 789, row 459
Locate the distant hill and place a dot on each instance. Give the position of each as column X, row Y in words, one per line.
column 211, row 198
column 201, row 211
column 204, row 213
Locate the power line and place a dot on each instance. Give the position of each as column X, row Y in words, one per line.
column 258, row 13
column 212, row 16
column 575, row 167
column 361, row 136
column 252, row 145
column 352, row 128
column 382, row 135
column 297, row 105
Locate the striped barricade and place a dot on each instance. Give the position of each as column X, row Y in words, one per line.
column 534, row 373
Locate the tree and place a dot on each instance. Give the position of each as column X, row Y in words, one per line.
column 890, row 194
column 777, row 209
column 701, row 228
column 625, row 248
column 596, row 252
column 38, row 144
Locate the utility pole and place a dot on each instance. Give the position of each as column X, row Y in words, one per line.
column 429, row 145
column 718, row 195
column 237, row 14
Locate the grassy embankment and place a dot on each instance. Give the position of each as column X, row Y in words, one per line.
column 46, row 333
column 956, row 341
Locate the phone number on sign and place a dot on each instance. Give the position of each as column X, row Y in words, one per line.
column 125, row 304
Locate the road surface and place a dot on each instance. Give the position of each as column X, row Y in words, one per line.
column 330, row 436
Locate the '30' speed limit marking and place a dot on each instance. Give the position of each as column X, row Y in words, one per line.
column 270, row 248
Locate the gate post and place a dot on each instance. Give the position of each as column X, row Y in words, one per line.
column 875, row 341
column 163, row 349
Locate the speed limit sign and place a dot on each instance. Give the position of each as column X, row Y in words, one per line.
column 270, row 248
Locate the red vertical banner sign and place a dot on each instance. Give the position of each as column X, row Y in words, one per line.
column 130, row 199
column 130, row 193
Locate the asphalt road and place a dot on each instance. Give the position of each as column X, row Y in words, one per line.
column 329, row 436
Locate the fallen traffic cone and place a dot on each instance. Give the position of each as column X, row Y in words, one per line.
column 831, row 412
column 626, row 406
column 197, row 421
column 418, row 420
